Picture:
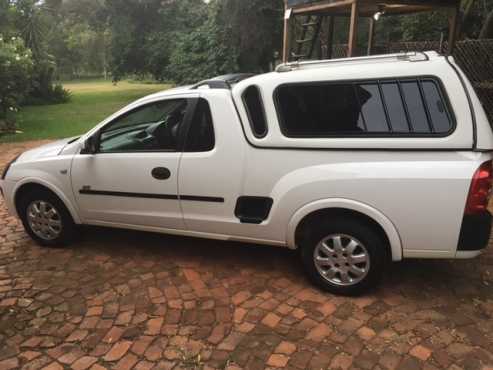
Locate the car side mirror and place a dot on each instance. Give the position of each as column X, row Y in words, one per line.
column 91, row 145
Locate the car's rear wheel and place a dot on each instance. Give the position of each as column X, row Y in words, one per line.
column 46, row 219
column 344, row 256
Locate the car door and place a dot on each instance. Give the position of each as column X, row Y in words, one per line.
column 211, row 169
column 132, row 179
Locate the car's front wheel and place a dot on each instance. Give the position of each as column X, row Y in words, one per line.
column 344, row 257
column 46, row 219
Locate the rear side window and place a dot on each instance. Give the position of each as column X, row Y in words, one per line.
column 255, row 109
column 400, row 107
column 201, row 137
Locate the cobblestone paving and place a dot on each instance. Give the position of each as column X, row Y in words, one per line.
column 130, row 300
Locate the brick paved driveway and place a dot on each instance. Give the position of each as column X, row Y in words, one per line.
column 125, row 300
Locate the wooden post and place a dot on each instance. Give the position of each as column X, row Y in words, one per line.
column 371, row 36
column 287, row 36
column 353, row 29
column 330, row 37
column 453, row 21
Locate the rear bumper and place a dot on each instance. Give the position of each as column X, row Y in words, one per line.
column 475, row 232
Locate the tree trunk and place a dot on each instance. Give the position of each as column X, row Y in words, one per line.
column 487, row 30
column 466, row 6
column 104, row 62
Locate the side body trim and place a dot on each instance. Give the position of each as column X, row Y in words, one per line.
column 192, row 198
column 195, row 234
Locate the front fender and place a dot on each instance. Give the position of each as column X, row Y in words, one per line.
column 49, row 185
column 377, row 216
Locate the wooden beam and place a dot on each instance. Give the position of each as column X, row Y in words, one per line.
column 371, row 36
column 287, row 37
column 321, row 7
column 353, row 29
column 369, row 7
column 367, row 14
column 431, row 3
column 453, row 28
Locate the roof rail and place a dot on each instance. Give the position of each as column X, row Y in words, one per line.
column 212, row 84
column 415, row 56
column 223, row 82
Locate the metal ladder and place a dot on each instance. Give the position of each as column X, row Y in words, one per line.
column 308, row 36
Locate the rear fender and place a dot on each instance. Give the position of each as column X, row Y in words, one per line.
column 377, row 216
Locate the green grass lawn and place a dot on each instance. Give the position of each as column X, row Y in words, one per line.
column 91, row 102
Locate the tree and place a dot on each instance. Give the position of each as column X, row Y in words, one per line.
column 475, row 18
column 131, row 24
column 29, row 19
column 6, row 14
column 15, row 70
column 202, row 53
column 487, row 29
column 143, row 33
column 255, row 30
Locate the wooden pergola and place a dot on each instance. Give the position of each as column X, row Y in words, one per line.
column 355, row 9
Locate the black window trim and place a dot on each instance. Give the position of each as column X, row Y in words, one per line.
column 188, row 124
column 426, row 107
column 406, row 108
column 191, row 105
column 266, row 131
column 385, row 109
column 366, row 135
column 355, row 92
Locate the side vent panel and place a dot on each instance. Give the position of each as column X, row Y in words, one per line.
column 253, row 210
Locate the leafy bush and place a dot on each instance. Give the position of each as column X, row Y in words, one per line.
column 53, row 94
column 60, row 94
column 15, row 72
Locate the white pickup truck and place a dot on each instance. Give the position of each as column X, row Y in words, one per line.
column 354, row 162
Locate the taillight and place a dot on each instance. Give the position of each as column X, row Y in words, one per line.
column 479, row 193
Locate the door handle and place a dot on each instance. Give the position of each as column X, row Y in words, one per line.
column 161, row 173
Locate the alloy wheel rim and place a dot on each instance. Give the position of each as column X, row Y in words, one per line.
column 44, row 220
column 341, row 259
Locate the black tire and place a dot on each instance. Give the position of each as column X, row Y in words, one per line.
column 374, row 247
column 68, row 228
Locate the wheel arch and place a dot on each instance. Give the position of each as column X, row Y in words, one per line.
column 344, row 207
column 30, row 184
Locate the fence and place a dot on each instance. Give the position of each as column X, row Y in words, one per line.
column 475, row 57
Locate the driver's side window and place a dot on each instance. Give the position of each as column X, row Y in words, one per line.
column 151, row 127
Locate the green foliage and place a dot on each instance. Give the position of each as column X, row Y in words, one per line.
column 80, row 50
column 31, row 20
column 7, row 14
column 425, row 26
column 188, row 40
column 15, row 70
column 79, row 39
column 54, row 94
column 254, row 29
column 202, row 53
column 144, row 33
